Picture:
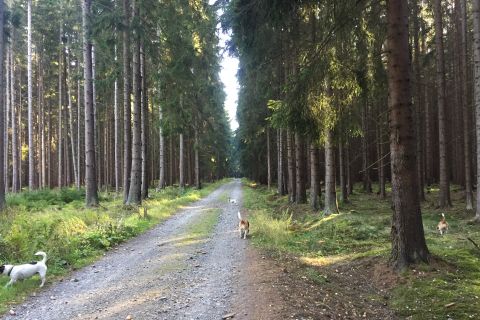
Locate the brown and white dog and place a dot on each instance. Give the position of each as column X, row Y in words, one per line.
column 442, row 226
column 243, row 226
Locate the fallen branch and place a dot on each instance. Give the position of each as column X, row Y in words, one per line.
column 476, row 245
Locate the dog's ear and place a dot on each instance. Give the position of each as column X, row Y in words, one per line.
column 2, row 268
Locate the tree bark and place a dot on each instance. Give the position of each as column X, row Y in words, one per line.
column 476, row 86
column 79, row 135
column 198, row 184
column 408, row 240
column 343, row 180
column 381, row 160
column 60, row 114
column 15, row 158
column 2, row 128
column 96, row 128
column 31, row 147
column 181, row 166
column 7, row 116
column 269, row 162
column 466, row 109
column 291, row 168
column 280, row 182
column 43, row 171
column 144, row 124
column 134, row 195
column 117, row 138
column 367, row 183
column 428, row 141
column 70, row 120
column 331, row 205
column 349, row 172
column 161, row 181
column 127, row 142
column 91, row 197
column 444, row 194
column 314, row 181
column 301, row 196
column 170, row 161
column 418, row 99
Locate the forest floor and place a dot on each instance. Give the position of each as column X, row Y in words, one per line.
column 336, row 267
column 192, row 266
column 301, row 266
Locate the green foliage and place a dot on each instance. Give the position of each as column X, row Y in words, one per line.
column 41, row 199
column 362, row 230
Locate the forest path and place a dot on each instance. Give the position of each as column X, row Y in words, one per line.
column 170, row 272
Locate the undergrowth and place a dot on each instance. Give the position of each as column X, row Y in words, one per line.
column 447, row 288
column 56, row 221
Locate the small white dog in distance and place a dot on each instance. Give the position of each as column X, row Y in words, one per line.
column 23, row 271
column 232, row 201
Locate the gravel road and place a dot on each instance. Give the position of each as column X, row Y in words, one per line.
column 156, row 275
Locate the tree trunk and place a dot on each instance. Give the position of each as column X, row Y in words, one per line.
column 91, row 197
column 2, row 128
column 343, row 180
column 127, row 142
column 15, row 158
column 60, row 113
column 269, row 163
column 428, row 141
column 144, row 124
column 280, row 181
column 381, row 160
column 181, row 166
column 70, row 120
column 408, row 240
column 314, row 182
column 31, row 147
column 418, row 99
column 118, row 170
column 367, row 183
column 349, row 172
column 444, row 194
column 466, row 109
column 7, row 115
column 170, row 161
column 198, row 184
column 161, row 181
column 134, row 195
column 301, row 196
column 96, row 128
column 291, row 168
column 79, row 135
column 476, row 54
column 43, row 171
column 331, row 205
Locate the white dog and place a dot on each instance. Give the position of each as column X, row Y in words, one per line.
column 232, row 201
column 24, row 271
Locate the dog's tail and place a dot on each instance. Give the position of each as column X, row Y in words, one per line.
column 443, row 217
column 43, row 254
column 239, row 215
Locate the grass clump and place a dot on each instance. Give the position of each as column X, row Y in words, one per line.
column 56, row 221
column 449, row 287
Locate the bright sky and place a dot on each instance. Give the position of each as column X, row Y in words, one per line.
column 228, row 75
